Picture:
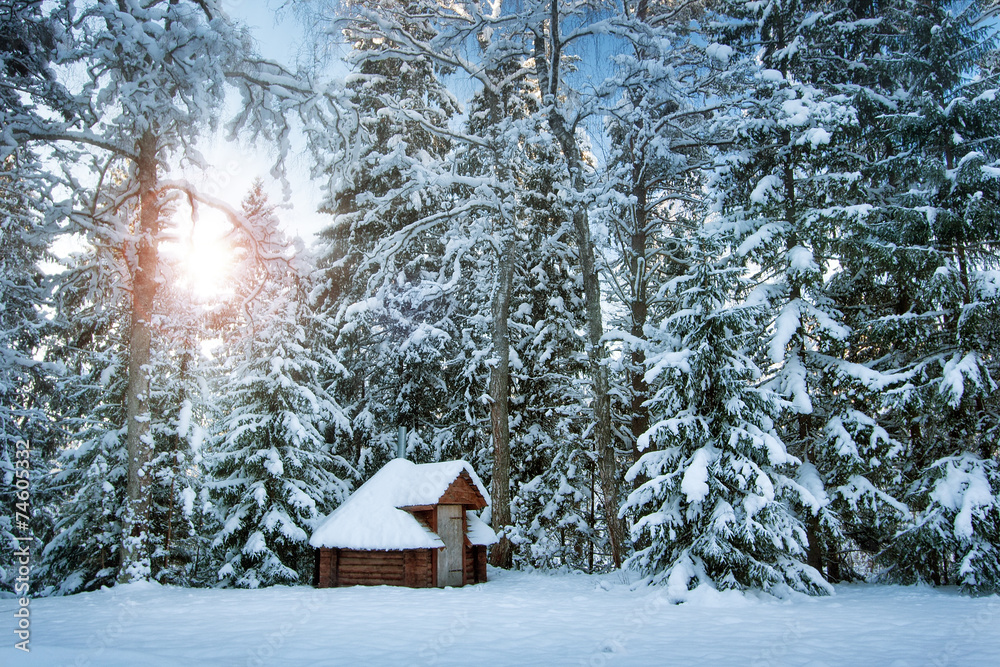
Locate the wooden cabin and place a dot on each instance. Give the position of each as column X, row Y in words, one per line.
column 409, row 525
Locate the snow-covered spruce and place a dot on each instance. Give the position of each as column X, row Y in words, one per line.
column 789, row 193
column 718, row 504
column 929, row 314
column 273, row 465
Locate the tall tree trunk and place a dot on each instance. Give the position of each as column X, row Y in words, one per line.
column 501, row 555
column 547, row 63
column 639, row 310
column 814, row 546
column 135, row 552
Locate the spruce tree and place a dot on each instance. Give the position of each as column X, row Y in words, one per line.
column 274, row 462
column 84, row 549
column 384, row 302
column 552, row 463
column 27, row 439
column 182, row 408
column 29, row 37
column 717, row 504
column 936, row 237
column 792, row 194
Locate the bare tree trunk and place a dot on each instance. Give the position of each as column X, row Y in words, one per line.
column 607, row 466
column 135, row 552
column 833, row 568
column 547, row 62
column 501, row 554
column 639, row 311
column 814, row 549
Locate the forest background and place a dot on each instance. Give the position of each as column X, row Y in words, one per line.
column 706, row 289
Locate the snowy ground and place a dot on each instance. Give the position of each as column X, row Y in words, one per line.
column 515, row 619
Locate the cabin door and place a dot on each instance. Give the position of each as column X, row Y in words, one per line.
column 451, row 530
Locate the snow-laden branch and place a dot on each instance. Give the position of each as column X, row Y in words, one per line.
column 76, row 137
column 236, row 218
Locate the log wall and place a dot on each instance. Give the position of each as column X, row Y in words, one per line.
column 419, row 568
column 370, row 568
column 475, row 564
column 347, row 567
column 479, row 566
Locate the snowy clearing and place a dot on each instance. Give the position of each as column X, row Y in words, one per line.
column 517, row 618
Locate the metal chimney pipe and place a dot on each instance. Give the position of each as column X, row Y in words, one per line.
column 401, row 443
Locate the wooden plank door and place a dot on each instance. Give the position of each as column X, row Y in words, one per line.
column 451, row 530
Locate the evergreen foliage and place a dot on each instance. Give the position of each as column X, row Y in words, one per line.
column 88, row 473
column 387, row 297
column 791, row 194
column 28, row 438
column 937, row 234
column 717, row 506
column 273, row 472
column 744, row 250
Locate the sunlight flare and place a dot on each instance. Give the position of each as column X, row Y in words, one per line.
column 206, row 258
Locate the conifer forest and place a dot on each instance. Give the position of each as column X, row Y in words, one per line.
column 708, row 290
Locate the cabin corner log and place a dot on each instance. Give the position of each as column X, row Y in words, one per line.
column 326, row 568
column 479, row 551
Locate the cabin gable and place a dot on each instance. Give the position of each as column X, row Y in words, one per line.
column 463, row 491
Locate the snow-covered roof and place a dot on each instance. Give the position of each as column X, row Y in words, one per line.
column 478, row 531
column 372, row 519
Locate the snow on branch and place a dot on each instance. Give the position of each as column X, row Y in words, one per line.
column 236, row 218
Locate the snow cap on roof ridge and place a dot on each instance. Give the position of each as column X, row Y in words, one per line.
column 425, row 483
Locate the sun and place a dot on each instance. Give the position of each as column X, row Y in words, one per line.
column 206, row 258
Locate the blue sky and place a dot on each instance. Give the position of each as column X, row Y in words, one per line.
column 277, row 31
column 280, row 37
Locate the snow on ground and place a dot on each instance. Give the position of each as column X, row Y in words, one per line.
column 518, row 618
